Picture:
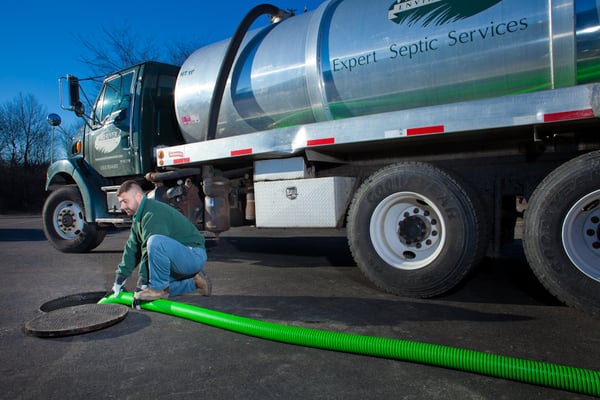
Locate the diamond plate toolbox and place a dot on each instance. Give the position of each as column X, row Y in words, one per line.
column 306, row 203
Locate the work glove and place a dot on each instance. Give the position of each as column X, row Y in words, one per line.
column 116, row 289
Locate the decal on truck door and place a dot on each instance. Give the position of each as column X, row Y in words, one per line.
column 107, row 142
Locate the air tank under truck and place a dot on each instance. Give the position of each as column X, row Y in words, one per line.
column 424, row 128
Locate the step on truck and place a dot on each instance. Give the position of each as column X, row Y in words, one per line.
column 422, row 128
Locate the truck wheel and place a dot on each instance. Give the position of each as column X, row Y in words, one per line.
column 64, row 223
column 415, row 231
column 561, row 237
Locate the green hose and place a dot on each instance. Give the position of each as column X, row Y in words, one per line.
column 556, row 376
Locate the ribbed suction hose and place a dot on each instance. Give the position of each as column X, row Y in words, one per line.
column 539, row 373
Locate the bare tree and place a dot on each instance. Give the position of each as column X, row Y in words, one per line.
column 24, row 133
column 118, row 48
column 121, row 47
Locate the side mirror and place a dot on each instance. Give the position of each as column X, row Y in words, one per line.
column 74, row 99
column 73, row 82
column 79, row 109
column 116, row 118
column 54, row 120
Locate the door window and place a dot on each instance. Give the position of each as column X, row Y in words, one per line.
column 116, row 96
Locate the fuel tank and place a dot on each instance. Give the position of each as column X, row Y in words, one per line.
column 354, row 57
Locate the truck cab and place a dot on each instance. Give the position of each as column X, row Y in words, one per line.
column 122, row 134
column 132, row 115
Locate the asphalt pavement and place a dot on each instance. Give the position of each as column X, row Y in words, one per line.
column 296, row 278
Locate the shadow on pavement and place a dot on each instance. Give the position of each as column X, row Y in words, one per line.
column 344, row 310
column 22, row 235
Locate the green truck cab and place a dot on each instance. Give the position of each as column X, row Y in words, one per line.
column 131, row 116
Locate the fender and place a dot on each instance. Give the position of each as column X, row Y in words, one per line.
column 89, row 182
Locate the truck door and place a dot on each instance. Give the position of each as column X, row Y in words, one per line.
column 109, row 143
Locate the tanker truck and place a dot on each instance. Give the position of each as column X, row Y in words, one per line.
column 415, row 125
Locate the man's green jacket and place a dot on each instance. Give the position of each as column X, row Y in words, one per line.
column 154, row 218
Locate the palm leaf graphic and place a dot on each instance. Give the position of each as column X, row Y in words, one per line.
column 440, row 12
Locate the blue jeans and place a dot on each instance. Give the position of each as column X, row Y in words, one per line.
column 173, row 265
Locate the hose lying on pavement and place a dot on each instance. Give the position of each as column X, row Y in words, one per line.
column 535, row 372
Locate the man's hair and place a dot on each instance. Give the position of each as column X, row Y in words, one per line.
column 129, row 185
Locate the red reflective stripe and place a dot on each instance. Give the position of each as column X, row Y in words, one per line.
column 241, row 152
column 181, row 160
column 320, row 142
column 561, row 116
column 426, row 130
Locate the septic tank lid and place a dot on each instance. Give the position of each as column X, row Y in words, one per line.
column 76, row 320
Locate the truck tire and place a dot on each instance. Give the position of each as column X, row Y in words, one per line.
column 64, row 224
column 561, row 236
column 414, row 230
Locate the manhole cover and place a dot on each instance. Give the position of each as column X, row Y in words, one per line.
column 75, row 320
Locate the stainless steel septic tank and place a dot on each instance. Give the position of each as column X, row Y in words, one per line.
column 357, row 57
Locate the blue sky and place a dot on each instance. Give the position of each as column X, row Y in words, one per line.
column 39, row 39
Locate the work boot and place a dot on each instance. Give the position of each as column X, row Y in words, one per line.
column 203, row 283
column 150, row 294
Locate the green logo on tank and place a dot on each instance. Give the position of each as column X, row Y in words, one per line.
column 436, row 12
